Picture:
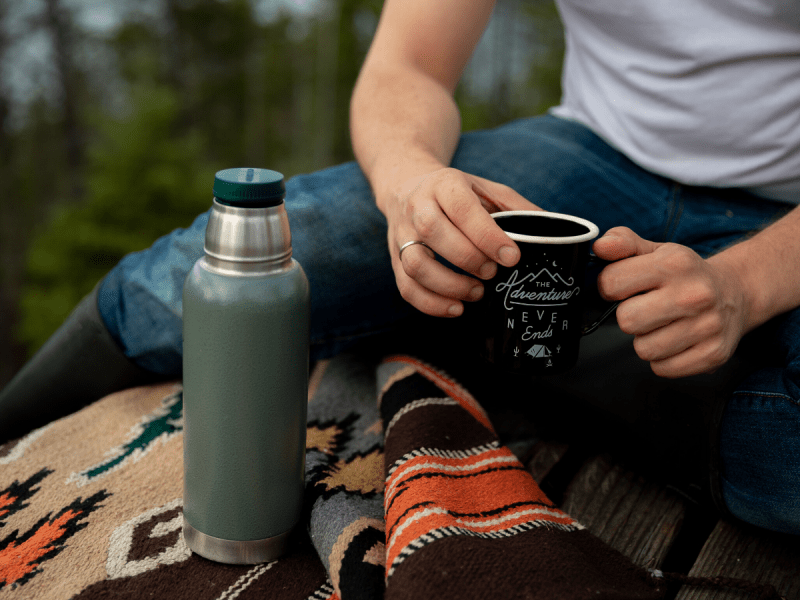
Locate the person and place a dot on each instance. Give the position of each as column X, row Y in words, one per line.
column 677, row 134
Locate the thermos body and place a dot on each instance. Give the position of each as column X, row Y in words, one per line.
column 245, row 380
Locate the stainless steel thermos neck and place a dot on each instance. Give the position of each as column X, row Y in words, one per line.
column 245, row 363
column 248, row 240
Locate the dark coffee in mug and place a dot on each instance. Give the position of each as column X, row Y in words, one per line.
column 531, row 315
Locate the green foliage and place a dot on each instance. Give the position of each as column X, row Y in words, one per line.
column 142, row 182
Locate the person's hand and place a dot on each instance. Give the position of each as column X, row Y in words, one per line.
column 687, row 313
column 449, row 211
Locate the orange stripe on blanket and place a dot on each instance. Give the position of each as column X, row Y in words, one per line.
column 512, row 517
column 427, row 519
column 494, row 457
column 481, row 493
column 450, row 387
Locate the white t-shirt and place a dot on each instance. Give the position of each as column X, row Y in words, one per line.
column 705, row 92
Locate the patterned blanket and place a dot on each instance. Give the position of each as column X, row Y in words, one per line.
column 409, row 494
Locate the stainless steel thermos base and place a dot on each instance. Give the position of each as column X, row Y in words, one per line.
column 235, row 552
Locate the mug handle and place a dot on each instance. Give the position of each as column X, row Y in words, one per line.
column 594, row 261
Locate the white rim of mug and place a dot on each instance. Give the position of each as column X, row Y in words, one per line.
column 593, row 232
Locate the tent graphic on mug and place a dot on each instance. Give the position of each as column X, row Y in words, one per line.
column 539, row 351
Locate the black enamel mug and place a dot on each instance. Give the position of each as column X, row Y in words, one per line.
column 531, row 316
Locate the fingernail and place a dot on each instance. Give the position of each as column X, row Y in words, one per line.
column 487, row 270
column 455, row 310
column 476, row 293
column 508, row 256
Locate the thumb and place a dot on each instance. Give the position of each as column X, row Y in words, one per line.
column 621, row 242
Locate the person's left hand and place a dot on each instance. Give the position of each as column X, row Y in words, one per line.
column 687, row 313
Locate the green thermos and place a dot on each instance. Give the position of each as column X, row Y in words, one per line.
column 245, row 375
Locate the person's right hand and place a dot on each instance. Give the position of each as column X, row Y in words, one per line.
column 449, row 211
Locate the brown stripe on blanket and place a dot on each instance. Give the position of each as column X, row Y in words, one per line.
column 542, row 563
column 422, row 429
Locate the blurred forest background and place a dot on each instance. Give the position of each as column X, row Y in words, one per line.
column 117, row 113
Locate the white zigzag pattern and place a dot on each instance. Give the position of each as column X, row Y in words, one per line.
column 440, row 511
column 245, row 580
column 324, row 592
column 120, row 542
column 442, row 454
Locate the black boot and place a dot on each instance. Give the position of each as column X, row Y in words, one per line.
column 79, row 364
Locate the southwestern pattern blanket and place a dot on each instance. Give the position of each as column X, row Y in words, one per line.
column 412, row 496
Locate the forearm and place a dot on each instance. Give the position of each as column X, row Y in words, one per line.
column 767, row 265
column 404, row 121
column 405, row 127
column 403, row 124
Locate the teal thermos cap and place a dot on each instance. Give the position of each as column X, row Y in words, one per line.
column 249, row 188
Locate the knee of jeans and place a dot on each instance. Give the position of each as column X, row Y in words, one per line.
column 760, row 459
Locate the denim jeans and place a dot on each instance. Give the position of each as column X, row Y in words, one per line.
column 339, row 237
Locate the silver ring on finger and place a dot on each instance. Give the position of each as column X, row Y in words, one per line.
column 411, row 243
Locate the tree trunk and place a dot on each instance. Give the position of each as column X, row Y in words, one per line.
column 59, row 25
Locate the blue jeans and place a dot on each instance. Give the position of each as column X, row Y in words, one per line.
column 339, row 237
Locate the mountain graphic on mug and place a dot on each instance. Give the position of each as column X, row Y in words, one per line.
column 556, row 277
